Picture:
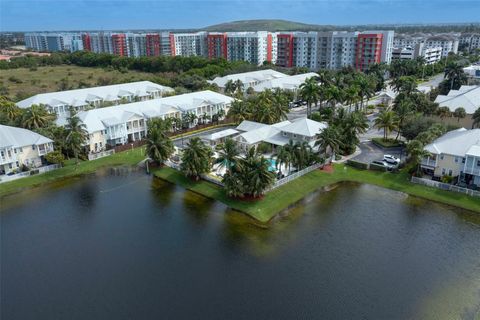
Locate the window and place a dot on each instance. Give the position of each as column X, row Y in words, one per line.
column 17, row 164
column 33, row 147
column 456, row 159
column 450, row 172
column 478, row 163
column 441, row 157
column 443, row 171
column 463, row 160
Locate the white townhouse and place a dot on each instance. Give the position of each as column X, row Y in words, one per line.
column 278, row 134
column 455, row 154
column 22, row 147
column 249, row 79
column 128, row 122
column 285, row 83
column 467, row 97
column 60, row 102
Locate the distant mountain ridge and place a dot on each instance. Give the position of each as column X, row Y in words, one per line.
column 285, row 25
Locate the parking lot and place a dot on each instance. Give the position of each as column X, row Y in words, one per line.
column 371, row 152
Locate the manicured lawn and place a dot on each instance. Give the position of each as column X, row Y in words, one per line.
column 286, row 195
column 70, row 169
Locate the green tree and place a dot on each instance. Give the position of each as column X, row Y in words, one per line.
column 476, row 118
column 416, row 152
column 228, row 154
column 159, row 147
column 196, row 159
column 309, row 91
column 403, row 110
column 329, row 138
column 239, row 111
column 36, row 117
column 444, row 112
column 459, row 113
column 77, row 136
column 388, row 121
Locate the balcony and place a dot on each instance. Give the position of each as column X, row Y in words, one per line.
column 429, row 163
column 475, row 171
column 8, row 159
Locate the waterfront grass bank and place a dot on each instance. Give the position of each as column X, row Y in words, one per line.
column 283, row 197
column 129, row 158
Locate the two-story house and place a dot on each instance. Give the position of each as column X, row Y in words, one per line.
column 128, row 122
column 20, row 147
column 455, row 154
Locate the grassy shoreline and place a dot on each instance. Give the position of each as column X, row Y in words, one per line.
column 289, row 194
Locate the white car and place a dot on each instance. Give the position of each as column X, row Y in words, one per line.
column 391, row 159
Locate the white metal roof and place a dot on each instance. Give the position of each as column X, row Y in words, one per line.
column 221, row 134
column 457, row 142
column 247, row 77
column 305, row 127
column 100, row 118
column 18, row 137
column 81, row 97
column 285, row 83
column 467, row 97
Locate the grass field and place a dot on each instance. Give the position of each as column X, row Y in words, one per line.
column 23, row 82
column 287, row 195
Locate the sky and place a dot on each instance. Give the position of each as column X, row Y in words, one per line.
column 49, row 15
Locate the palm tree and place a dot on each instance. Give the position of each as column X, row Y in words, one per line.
column 239, row 111
column 233, row 184
column 196, row 158
column 280, row 104
column 453, row 73
column 416, row 153
column 476, row 118
column 301, row 154
column 228, row 154
column 388, row 121
column 284, row 157
column 351, row 96
column 11, row 111
column 443, row 112
column 459, row 113
column 334, row 95
column 36, row 117
column 159, row 147
column 257, row 178
column 403, row 110
column 77, row 135
column 229, row 87
column 329, row 138
column 309, row 91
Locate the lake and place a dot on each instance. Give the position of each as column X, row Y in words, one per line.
column 122, row 245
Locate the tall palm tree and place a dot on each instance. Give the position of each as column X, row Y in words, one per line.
column 403, row 110
column 329, row 138
column 239, row 111
column 196, row 158
column 229, row 87
column 309, row 91
column 388, row 121
column 280, row 104
column 284, row 157
column 159, row 147
column 228, row 154
column 77, row 135
column 453, row 73
column 36, row 117
column 351, row 96
column 257, row 177
column 334, row 95
column 302, row 152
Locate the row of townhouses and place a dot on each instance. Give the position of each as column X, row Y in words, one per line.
column 455, row 154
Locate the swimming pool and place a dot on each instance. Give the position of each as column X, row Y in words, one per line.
column 272, row 166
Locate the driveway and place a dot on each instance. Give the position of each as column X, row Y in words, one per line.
column 371, row 152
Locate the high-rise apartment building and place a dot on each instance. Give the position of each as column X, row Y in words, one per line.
column 373, row 47
column 336, row 49
column 189, row 44
column 217, row 45
column 254, row 47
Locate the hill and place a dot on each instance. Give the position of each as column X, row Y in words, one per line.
column 285, row 25
column 264, row 25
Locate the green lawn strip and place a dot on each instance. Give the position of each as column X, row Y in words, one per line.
column 288, row 194
column 390, row 143
column 130, row 157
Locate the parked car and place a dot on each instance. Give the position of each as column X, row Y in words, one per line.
column 391, row 159
column 383, row 163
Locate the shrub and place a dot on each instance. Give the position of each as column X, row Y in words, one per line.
column 377, row 167
column 55, row 157
column 264, row 148
column 447, row 179
column 357, row 164
column 390, row 143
